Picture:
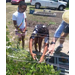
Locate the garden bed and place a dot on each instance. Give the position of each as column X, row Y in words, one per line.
column 45, row 14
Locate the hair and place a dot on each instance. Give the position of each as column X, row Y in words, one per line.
column 22, row 3
column 43, row 30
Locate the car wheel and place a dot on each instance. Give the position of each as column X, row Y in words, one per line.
column 61, row 8
column 37, row 6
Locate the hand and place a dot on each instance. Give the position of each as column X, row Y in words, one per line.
column 41, row 59
column 23, row 31
column 50, row 49
column 33, row 55
column 19, row 30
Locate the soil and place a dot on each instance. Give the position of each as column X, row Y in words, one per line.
column 51, row 27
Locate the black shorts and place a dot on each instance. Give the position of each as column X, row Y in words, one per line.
column 66, row 30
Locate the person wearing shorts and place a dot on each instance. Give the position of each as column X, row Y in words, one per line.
column 20, row 23
column 40, row 32
column 61, row 32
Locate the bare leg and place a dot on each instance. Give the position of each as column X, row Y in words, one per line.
column 35, row 44
column 62, row 38
column 23, row 41
column 18, row 43
column 40, row 43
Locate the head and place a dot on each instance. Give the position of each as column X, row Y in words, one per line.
column 43, row 31
column 22, row 6
column 65, row 16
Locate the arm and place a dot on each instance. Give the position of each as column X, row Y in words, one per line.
column 30, row 45
column 55, row 38
column 30, row 48
column 25, row 21
column 52, row 46
column 15, row 25
column 44, row 51
column 14, row 18
column 59, row 30
column 25, row 25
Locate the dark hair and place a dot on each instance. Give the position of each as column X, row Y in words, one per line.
column 22, row 3
column 43, row 30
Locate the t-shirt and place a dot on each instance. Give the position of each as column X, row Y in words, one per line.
column 20, row 18
column 60, row 29
column 36, row 33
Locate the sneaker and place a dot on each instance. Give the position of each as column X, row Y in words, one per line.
column 58, row 49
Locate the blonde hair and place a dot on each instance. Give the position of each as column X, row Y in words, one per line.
column 65, row 16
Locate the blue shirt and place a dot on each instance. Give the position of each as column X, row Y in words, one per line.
column 60, row 29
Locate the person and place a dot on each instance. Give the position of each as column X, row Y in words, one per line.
column 40, row 32
column 20, row 23
column 61, row 32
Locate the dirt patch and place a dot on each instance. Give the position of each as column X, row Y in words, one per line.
column 32, row 20
column 45, row 20
column 52, row 28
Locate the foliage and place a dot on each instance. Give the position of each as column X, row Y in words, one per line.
column 20, row 62
column 27, row 66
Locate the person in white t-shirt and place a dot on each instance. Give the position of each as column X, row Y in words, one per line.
column 20, row 23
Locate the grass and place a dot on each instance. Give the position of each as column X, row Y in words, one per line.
column 67, row 8
column 52, row 23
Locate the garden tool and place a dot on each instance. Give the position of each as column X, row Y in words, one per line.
column 36, row 58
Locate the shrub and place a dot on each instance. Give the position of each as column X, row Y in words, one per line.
column 28, row 66
column 24, row 64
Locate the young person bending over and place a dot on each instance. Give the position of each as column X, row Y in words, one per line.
column 40, row 32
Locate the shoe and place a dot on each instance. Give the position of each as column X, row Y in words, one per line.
column 58, row 49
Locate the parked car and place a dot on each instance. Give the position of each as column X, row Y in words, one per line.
column 16, row 1
column 49, row 3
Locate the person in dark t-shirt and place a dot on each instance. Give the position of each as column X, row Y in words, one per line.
column 40, row 32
